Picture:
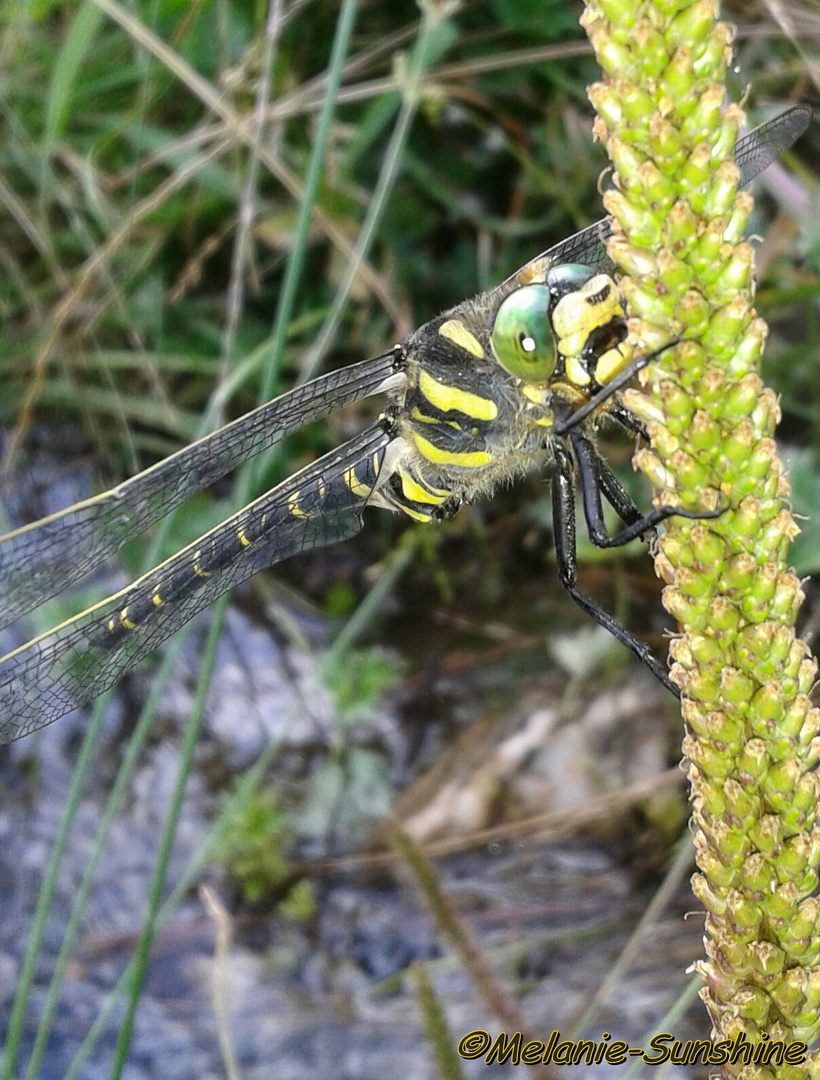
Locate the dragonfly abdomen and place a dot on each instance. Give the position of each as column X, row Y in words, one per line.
column 273, row 527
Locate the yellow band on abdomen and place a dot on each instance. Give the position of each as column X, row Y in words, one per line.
column 414, row 491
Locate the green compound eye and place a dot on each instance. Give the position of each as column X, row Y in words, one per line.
column 521, row 338
column 568, row 277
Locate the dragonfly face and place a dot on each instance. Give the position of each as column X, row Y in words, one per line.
column 588, row 320
column 507, row 382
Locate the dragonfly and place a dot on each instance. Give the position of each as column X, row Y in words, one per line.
column 513, row 380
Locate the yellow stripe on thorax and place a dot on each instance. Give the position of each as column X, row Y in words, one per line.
column 539, row 396
column 472, row 459
column 415, row 414
column 457, row 332
column 446, row 397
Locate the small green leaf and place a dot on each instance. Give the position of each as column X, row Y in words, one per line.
column 553, row 20
column 804, row 476
column 77, row 44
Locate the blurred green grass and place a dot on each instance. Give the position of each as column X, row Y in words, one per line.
column 142, row 257
column 122, row 195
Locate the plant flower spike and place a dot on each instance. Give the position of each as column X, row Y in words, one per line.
column 751, row 731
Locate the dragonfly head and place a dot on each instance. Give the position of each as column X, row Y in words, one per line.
column 568, row 331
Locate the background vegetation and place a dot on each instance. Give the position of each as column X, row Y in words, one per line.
column 146, row 222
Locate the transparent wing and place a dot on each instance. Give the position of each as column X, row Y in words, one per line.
column 42, row 559
column 80, row 659
column 753, row 153
column 757, row 150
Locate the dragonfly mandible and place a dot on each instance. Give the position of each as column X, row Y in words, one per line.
column 510, row 381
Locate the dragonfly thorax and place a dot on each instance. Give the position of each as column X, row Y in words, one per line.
column 464, row 423
column 485, row 380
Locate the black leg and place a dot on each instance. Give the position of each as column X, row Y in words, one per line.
column 563, row 425
column 614, row 492
column 628, row 420
column 563, row 521
column 592, row 474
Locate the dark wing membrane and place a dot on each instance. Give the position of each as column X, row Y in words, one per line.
column 44, row 558
column 587, row 247
column 757, row 150
column 80, row 659
column 753, row 153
